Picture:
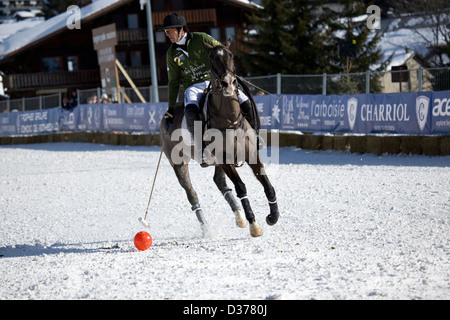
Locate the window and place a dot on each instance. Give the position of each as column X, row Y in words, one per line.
column 215, row 33
column 122, row 57
column 52, row 64
column 230, row 33
column 160, row 37
column 72, row 63
column 177, row 5
column 135, row 58
column 132, row 21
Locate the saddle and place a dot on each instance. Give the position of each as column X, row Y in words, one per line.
column 205, row 101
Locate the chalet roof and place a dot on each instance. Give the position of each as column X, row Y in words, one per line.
column 29, row 37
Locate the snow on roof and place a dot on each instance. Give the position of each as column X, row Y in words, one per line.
column 27, row 34
column 11, row 26
column 250, row 3
column 404, row 37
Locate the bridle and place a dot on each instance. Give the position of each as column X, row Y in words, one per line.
column 217, row 75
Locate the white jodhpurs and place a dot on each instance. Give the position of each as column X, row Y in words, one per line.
column 193, row 94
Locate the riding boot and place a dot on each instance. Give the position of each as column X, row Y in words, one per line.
column 250, row 115
column 191, row 112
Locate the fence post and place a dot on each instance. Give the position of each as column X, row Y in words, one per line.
column 8, row 106
column 40, row 102
column 367, row 81
column 59, row 99
column 278, row 83
column 324, row 83
column 419, row 77
column 99, row 94
column 23, row 103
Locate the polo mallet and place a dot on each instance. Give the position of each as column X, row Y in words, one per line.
column 144, row 221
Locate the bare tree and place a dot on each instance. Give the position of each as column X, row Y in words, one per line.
column 436, row 17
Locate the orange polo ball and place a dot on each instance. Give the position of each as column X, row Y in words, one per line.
column 142, row 240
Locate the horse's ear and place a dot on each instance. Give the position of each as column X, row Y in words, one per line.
column 228, row 44
column 207, row 46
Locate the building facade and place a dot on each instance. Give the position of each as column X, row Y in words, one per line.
column 59, row 60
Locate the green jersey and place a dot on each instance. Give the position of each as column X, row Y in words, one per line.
column 188, row 64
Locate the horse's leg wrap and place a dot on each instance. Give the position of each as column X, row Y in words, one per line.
column 248, row 209
column 255, row 229
column 241, row 221
column 228, row 195
column 272, row 218
column 199, row 213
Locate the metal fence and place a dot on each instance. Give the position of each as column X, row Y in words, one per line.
column 413, row 80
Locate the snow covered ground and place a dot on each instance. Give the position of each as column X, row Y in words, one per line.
column 352, row 227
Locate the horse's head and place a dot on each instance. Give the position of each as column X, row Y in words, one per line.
column 222, row 69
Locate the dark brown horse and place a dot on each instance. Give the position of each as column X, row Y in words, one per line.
column 229, row 141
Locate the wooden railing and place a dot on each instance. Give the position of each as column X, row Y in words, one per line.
column 136, row 73
column 132, row 35
column 54, row 79
column 51, row 79
column 191, row 16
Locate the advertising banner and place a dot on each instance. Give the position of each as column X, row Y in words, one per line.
column 417, row 113
column 396, row 113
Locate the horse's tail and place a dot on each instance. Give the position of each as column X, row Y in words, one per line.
column 254, row 109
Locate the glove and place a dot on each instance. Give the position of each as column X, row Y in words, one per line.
column 169, row 114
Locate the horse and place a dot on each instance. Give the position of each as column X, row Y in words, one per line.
column 229, row 140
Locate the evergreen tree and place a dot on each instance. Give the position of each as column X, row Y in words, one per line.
column 356, row 32
column 287, row 39
column 302, row 37
column 349, row 28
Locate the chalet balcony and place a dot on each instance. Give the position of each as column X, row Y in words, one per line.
column 202, row 16
column 17, row 82
column 132, row 35
column 198, row 16
column 81, row 78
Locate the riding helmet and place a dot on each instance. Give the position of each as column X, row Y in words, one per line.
column 174, row 20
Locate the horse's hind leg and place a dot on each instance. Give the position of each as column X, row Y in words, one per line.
column 221, row 183
column 260, row 174
column 182, row 173
column 241, row 191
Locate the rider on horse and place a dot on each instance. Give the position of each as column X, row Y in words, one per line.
column 188, row 64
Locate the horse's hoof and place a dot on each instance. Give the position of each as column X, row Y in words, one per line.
column 271, row 220
column 241, row 221
column 255, row 229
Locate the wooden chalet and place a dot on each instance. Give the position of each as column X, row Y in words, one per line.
column 56, row 58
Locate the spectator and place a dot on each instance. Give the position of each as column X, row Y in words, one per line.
column 66, row 105
column 74, row 99
column 105, row 99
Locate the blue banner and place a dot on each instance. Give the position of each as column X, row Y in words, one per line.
column 395, row 113
column 413, row 113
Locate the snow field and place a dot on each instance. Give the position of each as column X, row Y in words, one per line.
column 352, row 227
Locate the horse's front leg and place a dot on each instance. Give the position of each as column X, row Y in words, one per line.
column 260, row 174
column 241, row 191
column 182, row 173
column 221, row 183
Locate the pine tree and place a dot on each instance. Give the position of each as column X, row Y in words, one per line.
column 286, row 39
column 366, row 51
column 302, row 37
